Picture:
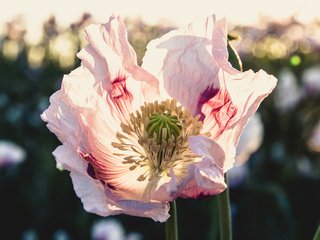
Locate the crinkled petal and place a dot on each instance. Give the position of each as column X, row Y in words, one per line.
column 207, row 177
column 83, row 122
column 232, row 105
column 97, row 198
column 109, row 56
column 108, row 161
column 192, row 67
column 61, row 115
column 68, row 106
column 220, row 46
column 83, row 119
column 187, row 61
column 101, row 201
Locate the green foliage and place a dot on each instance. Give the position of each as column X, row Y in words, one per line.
column 234, row 57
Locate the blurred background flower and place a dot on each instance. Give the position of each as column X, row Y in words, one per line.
column 10, row 153
column 250, row 139
column 314, row 140
column 311, row 79
column 249, row 142
column 111, row 229
column 288, row 92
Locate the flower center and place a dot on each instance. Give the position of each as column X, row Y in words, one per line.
column 163, row 125
column 156, row 138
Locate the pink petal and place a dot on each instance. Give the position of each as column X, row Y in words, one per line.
column 68, row 108
column 192, row 67
column 207, row 176
column 83, row 120
column 232, row 105
column 61, row 121
column 110, row 57
column 219, row 46
column 97, row 198
column 187, row 61
column 97, row 141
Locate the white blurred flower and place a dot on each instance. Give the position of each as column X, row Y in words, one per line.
column 237, row 175
column 29, row 234
column 107, row 230
column 10, row 153
column 134, row 236
column 111, row 230
column 311, row 80
column 314, row 140
column 60, row 234
column 304, row 166
column 250, row 139
column 249, row 143
column 287, row 93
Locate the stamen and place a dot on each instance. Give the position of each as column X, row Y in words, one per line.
column 156, row 137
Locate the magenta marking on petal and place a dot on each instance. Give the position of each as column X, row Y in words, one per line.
column 91, row 172
column 111, row 186
column 204, row 97
column 222, row 110
column 91, row 160
column 119, row 89
column 121, row 98
column 92, row 163
column 87, row 156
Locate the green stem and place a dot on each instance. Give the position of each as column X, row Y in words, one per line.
column 317, row 235
column 225, row 214
column 214, row 230
column 171, row 223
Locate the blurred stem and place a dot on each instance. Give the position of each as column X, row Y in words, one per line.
column 225, row 214
column 317, row 235
column 171, row 224
column 214, row 230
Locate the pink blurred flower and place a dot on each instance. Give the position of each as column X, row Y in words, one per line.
column 10, row 153
column 311, row 80
column 111, row 230
column 250, row 141
column 288, row 93
column 135, row 138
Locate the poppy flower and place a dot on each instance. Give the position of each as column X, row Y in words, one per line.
column 135, row 138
